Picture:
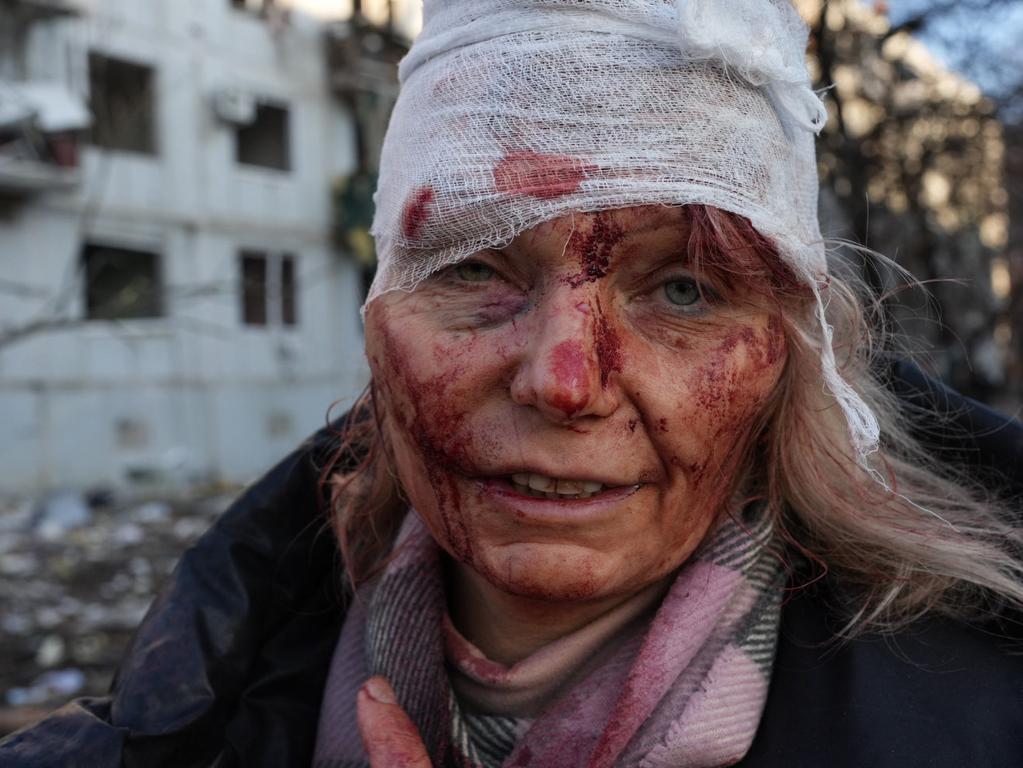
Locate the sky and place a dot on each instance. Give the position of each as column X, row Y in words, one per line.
column 983, row 45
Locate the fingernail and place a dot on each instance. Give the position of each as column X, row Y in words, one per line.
column 379, row 691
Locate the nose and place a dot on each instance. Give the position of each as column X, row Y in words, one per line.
column 560, row 371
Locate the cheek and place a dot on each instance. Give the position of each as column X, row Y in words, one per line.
column 737, row 375
column 713, row 406
column 428, row 394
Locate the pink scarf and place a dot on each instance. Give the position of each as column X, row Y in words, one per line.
column 688, row 692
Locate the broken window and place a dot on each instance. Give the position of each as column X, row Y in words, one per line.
column 269, row 288
column 121, row 283
column 122, row 100
column 266, row 141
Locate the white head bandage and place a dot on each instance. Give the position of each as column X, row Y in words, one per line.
column 514, row 112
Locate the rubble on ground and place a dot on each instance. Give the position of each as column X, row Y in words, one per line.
column 77, row 573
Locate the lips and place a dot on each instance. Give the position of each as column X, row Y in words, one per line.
column 529, row 506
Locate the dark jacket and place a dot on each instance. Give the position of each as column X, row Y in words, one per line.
column 228, row 667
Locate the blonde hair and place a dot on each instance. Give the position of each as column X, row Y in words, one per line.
column 902, row 537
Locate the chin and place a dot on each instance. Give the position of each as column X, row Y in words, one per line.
column 549, row 572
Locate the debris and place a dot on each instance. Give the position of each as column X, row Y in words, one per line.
column 128, row 534
column 76, row 579
column 60, row 512
column 51, row 651
column 152, row 512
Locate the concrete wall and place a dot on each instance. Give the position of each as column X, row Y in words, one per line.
column 195, row 391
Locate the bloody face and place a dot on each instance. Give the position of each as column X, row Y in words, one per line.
column 567, row 413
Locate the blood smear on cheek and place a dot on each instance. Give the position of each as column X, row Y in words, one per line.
column 435, row 426
column 609, row 349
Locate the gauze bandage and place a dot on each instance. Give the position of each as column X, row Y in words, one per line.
column 514, row 112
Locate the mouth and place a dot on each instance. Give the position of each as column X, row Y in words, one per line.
column 544, row 487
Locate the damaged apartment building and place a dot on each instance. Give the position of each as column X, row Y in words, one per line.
column 176, row 304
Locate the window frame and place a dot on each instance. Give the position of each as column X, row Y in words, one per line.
column 287, row 164
column 159, row 297
column 101, row 134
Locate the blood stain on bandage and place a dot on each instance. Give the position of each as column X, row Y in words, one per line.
column 416, row 211
column 539, row 175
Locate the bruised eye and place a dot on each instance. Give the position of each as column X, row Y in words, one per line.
column 473, row 271
column 684, row 292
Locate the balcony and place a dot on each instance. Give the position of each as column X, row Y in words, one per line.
column 40, row 128
column 363, row 57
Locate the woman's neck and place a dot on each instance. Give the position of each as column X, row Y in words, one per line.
column 508, row 628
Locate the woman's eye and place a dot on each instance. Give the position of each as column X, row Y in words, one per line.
column 473, row 271
column 683, row 292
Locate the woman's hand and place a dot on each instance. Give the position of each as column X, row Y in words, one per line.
column 389, row 736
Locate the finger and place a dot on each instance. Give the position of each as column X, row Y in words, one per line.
column 389, row 736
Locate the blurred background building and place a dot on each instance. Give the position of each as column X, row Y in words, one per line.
column 174, row 305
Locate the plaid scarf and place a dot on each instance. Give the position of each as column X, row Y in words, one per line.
column 690, row 692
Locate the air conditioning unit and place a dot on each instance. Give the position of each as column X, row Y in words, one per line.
column 235, row 106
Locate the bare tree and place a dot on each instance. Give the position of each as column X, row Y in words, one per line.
column 912, row 160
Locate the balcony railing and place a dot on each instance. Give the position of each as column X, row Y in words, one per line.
column 20, row 177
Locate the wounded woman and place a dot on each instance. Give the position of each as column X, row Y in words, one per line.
column 622, row 418
column 618, row 399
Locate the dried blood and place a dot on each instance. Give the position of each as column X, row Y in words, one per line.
column 609, row 348
column 569, row 366
column 594, row 248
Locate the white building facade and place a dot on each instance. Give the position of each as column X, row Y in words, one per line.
column 171, row 304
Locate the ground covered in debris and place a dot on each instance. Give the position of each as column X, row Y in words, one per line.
column 76, row 576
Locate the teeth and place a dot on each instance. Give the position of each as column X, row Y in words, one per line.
column 541, row 483
column 542, row 486
column 570, row 487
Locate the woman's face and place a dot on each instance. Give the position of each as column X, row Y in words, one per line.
column 585, row 362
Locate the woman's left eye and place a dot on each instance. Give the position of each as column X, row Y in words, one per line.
column 683, row 292
column 474, row 271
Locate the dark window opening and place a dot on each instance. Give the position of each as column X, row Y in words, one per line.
column 289, row 314
column 122, row 101
column 266, row 141
column 253, row 288
column 121, row 283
